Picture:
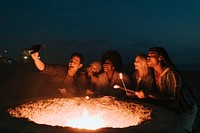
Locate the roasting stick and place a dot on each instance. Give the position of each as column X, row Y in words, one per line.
column 118, row 87
column 121, row 77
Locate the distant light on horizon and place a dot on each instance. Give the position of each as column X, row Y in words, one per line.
column 25, row 57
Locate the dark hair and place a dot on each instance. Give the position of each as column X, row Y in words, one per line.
column 78, row 55
column 115, row 59
column 166, row 61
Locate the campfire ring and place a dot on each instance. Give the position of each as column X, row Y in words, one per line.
column 162, row 121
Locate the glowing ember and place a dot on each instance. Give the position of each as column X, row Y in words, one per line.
column 87, row 97
column 83, row 113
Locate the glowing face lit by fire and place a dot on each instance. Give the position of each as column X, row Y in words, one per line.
column 108, row 66
column 74, row 65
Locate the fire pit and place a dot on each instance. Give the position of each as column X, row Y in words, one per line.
column 83, row 113
column 104, row 114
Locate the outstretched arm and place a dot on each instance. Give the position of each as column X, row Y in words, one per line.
column 38, row 63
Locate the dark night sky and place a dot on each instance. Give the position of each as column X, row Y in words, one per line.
column 95, row 26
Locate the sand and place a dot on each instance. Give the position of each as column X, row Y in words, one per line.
column 23, row 81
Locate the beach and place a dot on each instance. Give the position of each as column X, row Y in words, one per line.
column 24, row 81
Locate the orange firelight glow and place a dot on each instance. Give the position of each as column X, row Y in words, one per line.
column 86, row 121
column 83, row 113
column 87, row 97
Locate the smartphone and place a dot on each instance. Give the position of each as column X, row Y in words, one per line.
column 35, row 48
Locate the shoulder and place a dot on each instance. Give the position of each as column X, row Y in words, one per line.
column 171, row 73
column 81, row 73
column 102, row 74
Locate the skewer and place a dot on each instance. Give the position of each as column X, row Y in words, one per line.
column 119, row 87
column 121, row 77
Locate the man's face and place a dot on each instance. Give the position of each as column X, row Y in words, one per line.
column 74, row 63
column 92, row 69
column 152, row 59
column 108, row 66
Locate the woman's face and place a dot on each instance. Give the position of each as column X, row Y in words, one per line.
column 108, row 66
column 137, row 63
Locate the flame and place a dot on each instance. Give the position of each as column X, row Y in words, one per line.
column 82, row 113
column 86, row 122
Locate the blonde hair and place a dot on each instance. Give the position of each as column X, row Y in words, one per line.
column 144, row 70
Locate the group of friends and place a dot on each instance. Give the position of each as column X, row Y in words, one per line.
column 155, row 79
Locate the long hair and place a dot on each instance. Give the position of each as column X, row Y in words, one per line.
column 143, row 61
column 166, row 60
